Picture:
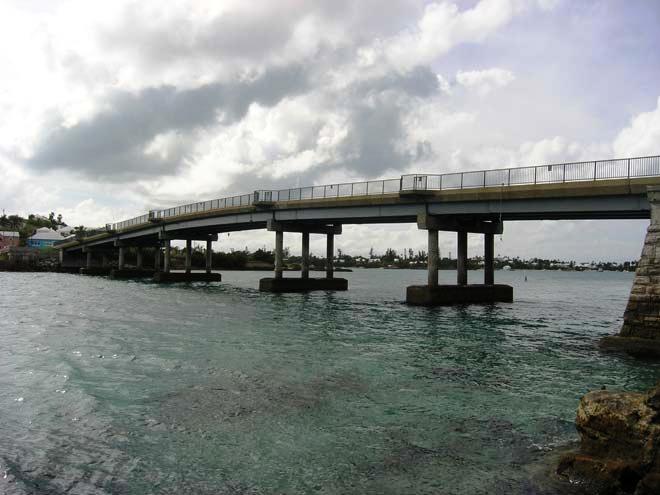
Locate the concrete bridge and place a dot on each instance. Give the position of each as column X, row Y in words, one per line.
column 463, row 202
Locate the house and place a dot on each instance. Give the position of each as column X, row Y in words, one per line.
column 43, row 237
column 8, row 239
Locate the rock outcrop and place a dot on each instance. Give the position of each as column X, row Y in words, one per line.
column 619, row 443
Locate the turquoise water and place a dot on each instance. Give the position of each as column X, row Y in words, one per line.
column 112, row 387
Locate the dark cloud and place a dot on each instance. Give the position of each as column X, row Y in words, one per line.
column 111, row 144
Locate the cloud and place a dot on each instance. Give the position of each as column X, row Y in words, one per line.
column 485, row 81
column 641, row 137
column 122, row 141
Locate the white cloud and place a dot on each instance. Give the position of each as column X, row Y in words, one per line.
column 641, row 137
column 485, row 81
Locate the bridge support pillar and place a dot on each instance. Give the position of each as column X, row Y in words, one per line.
column 120, row 262
column 188, row 262
column 433, row 258
column 330, row 256
column 489, row 259
column 138, row 261
column 166, row 258
column 304, row 265
column 434, row 294
column 88, row 261
column 89, row 268
column 640, row 333
column 279, row 253
column 105, row 262
column 462, row 258
column 209, row 255
column 157, row 259
column 304, row 283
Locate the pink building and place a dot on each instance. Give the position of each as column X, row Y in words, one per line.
column 8, row 239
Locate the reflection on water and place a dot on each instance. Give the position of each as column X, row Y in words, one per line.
column 131, row 387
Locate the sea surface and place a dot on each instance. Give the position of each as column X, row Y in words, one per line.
column 119, row 387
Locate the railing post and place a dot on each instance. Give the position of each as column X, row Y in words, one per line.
column 534, row 175
column 484, row 178
column 628, row 168
column 563, row 173
column 509, row 179
column 352, row 188
column 461, row 180
column 595, row 170
column 441, row 176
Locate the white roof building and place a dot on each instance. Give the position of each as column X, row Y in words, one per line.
column 46, row 234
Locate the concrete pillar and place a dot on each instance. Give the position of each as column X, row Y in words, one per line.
column 104, row 261
column 329, row 256
column 61, row 257
column 89, row 259
column 138, row 262
column 461, row 259
column 166, row 258
column 433, row 255
column 209, row 255
column 489, row 259
column 188, row 255
column 157, row 259
column 279, row 253
column 120, row 262
column 304, row 271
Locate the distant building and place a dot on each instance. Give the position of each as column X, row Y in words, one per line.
column 43, row 237
column 8, row 239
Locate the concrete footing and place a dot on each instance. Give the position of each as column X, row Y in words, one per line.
column 447, row 295
column 128, row 273
column 302, row 284
column 95, row 270
column 170, row 277
column 634, row 346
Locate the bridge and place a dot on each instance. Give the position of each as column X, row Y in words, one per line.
column 462, row 202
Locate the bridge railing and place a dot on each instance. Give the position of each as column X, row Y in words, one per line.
column 626, row 168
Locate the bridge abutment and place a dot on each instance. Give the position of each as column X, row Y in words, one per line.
column 279, row 283
column 640, row 333
column 434, row 294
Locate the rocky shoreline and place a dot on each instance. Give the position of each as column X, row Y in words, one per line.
column 619, row 450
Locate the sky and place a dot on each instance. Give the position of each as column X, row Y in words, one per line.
column 109, row 109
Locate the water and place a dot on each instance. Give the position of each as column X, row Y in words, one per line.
column 112, row 387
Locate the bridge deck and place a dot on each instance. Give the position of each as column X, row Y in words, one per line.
column 566, row 199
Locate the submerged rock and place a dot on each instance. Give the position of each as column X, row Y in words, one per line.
column 619, row 443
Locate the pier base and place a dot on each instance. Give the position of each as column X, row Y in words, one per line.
column 95, row 270
column 302, row 284
column 447, row 295
column 171, row 277
column 128, row 273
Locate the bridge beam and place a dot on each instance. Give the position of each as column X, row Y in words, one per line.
column 456, row 223
column 174, row 236
column 274, row 226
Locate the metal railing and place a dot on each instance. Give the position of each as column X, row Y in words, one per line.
column 626, row 168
